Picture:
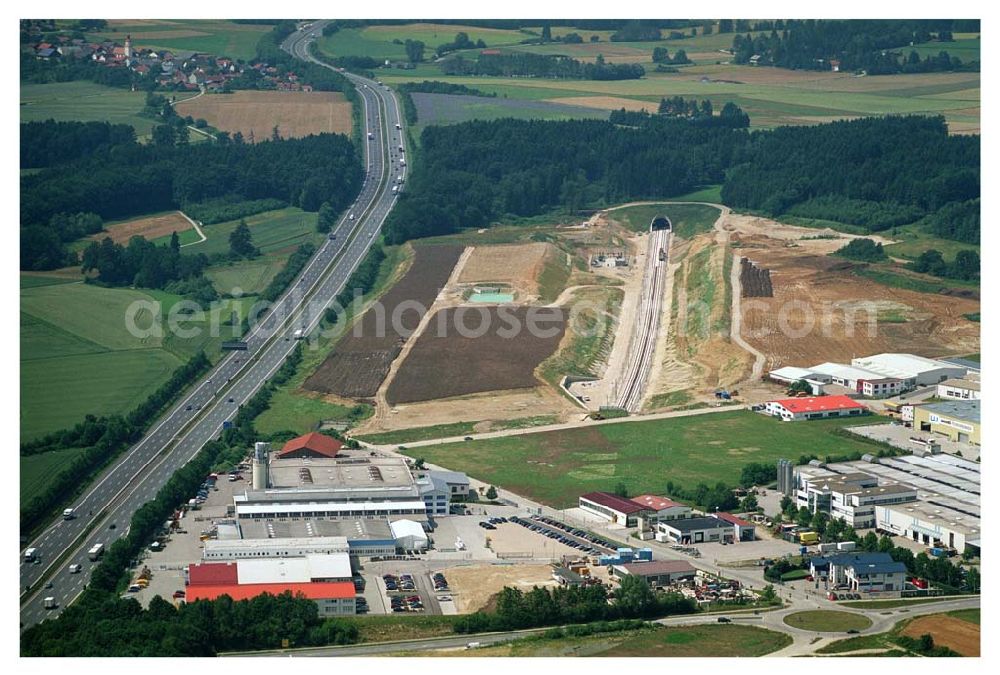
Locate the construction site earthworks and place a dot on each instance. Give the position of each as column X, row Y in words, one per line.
column 742, row 294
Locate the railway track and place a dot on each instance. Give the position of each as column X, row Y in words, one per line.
column 631, row 387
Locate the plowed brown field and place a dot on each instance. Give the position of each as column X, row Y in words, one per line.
column 948, row 631
column 362, row 358
column 150, row 228
column 445, row 363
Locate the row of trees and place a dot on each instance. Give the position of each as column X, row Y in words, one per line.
column 868, row 45
column 524, row 64
column 662, row 55
column 516, row 609
column 873, row 215
column 141, row 262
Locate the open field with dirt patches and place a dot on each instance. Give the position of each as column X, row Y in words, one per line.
column 473, row 586
column 948, row 631
column 362, row 358
column 149, row 227
column 823, row 309
column 517, row 265
column 454, row 108
column 555, row 467
column 497, row 352
column 295, row 113
column 606, row 103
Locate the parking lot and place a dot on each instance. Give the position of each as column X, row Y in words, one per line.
column 899, row 436
column 184, row 546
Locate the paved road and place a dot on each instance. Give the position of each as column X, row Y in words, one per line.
column 174, row 439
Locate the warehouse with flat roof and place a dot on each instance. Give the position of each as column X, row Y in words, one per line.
column 657, row 573
column 812, row 408
column 913, row 370
column 958, row 420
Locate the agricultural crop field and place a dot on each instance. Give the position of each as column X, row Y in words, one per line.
column 256, row 113
column 272, row 231
column 686, row 220
column 85, row 102
column 38, row 470
column 453, row 108
column 555, row 467
column 149, row 227
column 219, row 37
column 377, row 41
column 771, row 96
column 361, row 360
column 444, row 363
column 250, row 276
column 78, row 357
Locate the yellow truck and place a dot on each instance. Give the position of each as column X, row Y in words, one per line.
column 808, row 538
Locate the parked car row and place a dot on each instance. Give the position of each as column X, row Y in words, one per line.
column 844, row 596
column 404, row 582
column 439, row 581
column 409, row 603
column 580, row 540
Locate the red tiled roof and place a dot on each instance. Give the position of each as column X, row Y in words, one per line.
column 208, row 574
column 613, row 502
column 817, row 403
column 654, row 502
column 730, row 518
column 320, row 444
column 313, row 591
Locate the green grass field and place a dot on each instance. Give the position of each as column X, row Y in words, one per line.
column 84, row 102
column 281, row 230
column 824, row 621
column 217, row 37
column 377, row 41
column 556, row 467
column 37, row 470
column 891, row 604
column 78, row 356
column 709, row 640
column 687, row 220
column 250, row 276
column 913, row 240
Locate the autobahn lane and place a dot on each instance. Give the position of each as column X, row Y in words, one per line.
column 200, row 416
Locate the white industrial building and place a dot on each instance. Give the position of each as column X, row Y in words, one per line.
column 299, row 483
column 235, row 549
column 959, row 390
column 865, row 381
column 409, row 535
column 850, row 497
column 913, row 370
column 945, row 513
column 870, row 573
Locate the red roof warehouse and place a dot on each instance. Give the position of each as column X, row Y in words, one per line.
column 814, row 407
column 314, row 591
column 310, row 446
column 616, row 509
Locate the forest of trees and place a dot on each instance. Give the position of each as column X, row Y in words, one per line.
column 126, row 179
column 875, row 46
column 48, row 143
column 872, row 172
column 523, row 64
column 863, row 168
column 468, row 174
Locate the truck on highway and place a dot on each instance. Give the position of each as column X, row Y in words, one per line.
column 473, row 645
column 75, row 568
column 371, row 136
column 30, row 555
column 95, row 552
column 395, row 189
column 50, row 603
column 68, row 514
column 299, row 334
column 398, row 127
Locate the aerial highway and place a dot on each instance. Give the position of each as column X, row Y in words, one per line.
column 631, row 386
column 105, row 509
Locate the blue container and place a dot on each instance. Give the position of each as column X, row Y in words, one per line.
column 645, row 554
